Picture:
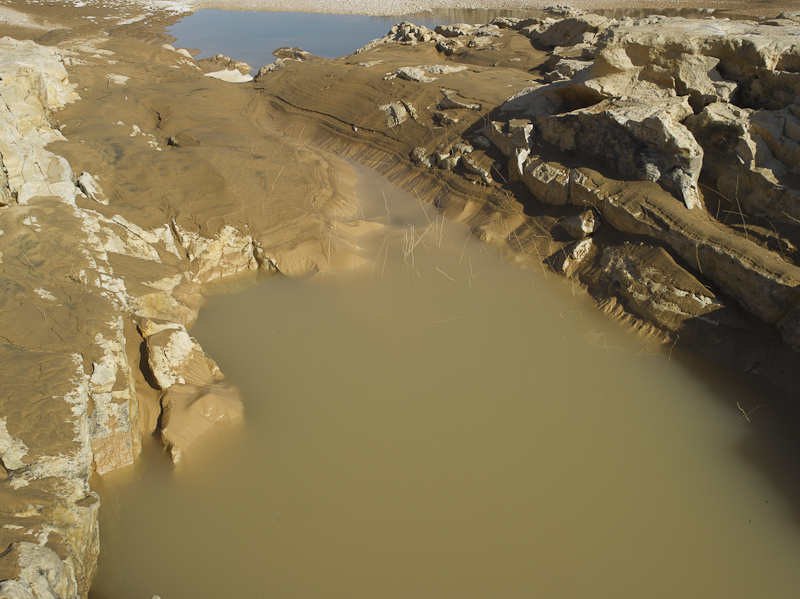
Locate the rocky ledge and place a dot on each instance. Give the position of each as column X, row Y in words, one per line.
column 652, row 160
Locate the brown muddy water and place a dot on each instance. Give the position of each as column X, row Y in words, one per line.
column 440, row 424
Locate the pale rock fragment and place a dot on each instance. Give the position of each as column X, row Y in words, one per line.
column 412, row 112
column 581, row 225
column 418, row 74
column 42, row 575
column 278, row 63
column 480, row 43
column 228, row 252
column 752, row 157
column 227, row 63
column 472, row 166
column 12, row 450
column 171, row 352
column 230, row 76
column 93, row 191
column 421, row 157
column 655, row 287
column 448, row 47
column 445, row 69
column 569, row 259
column 547, row 181
column 403, row 33
column 396, row 113
column 638, row 138
column 573, row 30
column 194, row 398
column 455, row 29
column 449, row 102
column 117, row 79
column 462, row 147
column 448, row 162
column 443, row 119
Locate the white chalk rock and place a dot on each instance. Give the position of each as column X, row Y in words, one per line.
column 231, row 76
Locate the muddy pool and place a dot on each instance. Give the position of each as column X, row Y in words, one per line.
column 441, row 424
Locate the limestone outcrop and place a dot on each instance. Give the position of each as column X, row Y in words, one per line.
column 77, row 271
column 60, row 408
column 670, row 101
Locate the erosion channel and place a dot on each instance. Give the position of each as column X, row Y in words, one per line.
column 439, row 423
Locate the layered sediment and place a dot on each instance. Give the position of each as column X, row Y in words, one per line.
column 653, row 161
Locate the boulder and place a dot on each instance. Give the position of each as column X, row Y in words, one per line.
column 655, row 287
column 220, row 61
column 638, row 139
column 89, row 186
column 189, row 411
column 195, row 397
column 547, row 181
column 581, row 225
column 455, row 30
column 569, row 259
column 421, row 157
column 396, row 113
column 570, row 31
column 752, row 156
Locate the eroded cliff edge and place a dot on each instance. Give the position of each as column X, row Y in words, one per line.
column 651, row 160
column 118, row 202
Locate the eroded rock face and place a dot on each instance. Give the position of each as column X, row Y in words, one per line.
column 52, row 397
column 78, row 269
column 670, row 101
column 626, row 94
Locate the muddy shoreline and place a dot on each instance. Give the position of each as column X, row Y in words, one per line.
column 138, row 193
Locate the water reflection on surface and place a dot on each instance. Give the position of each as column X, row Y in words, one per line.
column 440, row 424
